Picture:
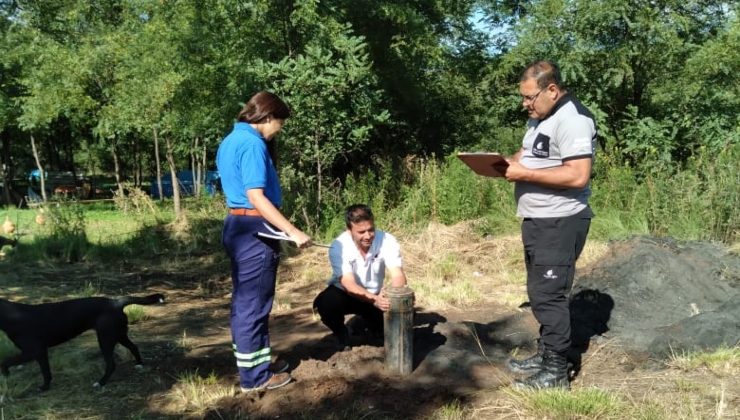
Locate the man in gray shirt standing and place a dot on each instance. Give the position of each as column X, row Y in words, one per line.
column 552, row 172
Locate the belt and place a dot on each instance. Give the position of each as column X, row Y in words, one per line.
column 245, row 212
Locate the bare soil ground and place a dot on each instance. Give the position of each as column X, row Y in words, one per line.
column 642, row 297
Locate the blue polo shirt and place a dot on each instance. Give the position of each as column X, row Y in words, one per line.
column 244, row 163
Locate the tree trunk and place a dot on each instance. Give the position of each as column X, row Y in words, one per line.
column 117, row 168
column 6, row 169
column 173, row 173
column 70, row 158
column 319, row 178
column 194, row 166
column 203, row 163
column 41, row 168
column 159, row 164
column 198, row 169
column 137, row 162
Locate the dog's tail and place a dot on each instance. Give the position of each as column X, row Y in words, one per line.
column 136, row 300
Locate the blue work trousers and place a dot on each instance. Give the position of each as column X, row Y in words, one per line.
column 254, row 262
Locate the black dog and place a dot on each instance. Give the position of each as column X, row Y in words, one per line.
column 4, row 241
column 35, row 328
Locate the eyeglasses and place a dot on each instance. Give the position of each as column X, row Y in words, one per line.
column 529, row 99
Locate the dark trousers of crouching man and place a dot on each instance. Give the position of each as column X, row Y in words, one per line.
column 551, row 248
column 333, row 304
column 254, row 263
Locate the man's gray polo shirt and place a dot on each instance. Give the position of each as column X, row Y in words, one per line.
column 568, row 133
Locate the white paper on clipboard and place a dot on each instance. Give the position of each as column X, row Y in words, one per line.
column 281, row 236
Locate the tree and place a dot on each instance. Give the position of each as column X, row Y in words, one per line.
column 335, row 103
column 617, row 56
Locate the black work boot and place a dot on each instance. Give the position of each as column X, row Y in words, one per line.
column 529, row 365
column 554, row 373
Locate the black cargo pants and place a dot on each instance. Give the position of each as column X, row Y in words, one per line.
column 551, row 248
column 334, row 303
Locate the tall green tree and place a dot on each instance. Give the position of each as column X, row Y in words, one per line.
column 620, row 57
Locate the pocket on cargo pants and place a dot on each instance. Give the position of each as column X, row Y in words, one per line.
column 551, row 274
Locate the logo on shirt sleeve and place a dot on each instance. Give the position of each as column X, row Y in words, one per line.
column 541, row 146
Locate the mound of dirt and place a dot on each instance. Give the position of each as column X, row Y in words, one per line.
column 660, row 296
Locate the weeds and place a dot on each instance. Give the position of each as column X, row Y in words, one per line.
column 135, row 313
column 589, row 403
column 134, row 200
column 722, row 361
column 195, row 394
column 66, row 238
column 451, row 411
column 88, row 290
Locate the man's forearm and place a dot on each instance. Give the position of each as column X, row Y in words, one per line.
column 357, row 291
column 398, row 277
column 572, row 174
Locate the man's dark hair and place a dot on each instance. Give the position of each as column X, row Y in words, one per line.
column 357, row 213
column 544, row 72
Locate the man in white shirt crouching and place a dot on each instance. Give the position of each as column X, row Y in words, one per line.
column 359, row 257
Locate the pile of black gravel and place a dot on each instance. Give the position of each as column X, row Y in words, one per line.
column 659, row 296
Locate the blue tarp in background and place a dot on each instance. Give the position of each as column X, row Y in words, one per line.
column 185, row 179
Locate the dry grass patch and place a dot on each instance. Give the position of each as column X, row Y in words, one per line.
column 195, row 394
column 598, row 403
column 452, row 266
column 724, row 361
column 451, row 411
column 592, row 253
column 305, row 267
column 449, row 267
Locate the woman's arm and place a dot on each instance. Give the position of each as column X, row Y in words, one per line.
column 272, row 214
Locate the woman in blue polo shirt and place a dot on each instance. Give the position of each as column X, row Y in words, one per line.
column 250, row 182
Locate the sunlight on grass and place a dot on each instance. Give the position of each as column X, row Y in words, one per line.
column 88, row 290
column 451, row 411
column 589, row 403
column 685, row 385
column 281, row 304
column 735, row 248
column 510, row 298
column 448, row 268
column 722, row 361
column 310, row 266
column 593, row 252
column 185, row 342
column 447, row 294
column 195, row 394
column 135, row 313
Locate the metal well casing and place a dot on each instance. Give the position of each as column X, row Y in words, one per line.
column 399, row 330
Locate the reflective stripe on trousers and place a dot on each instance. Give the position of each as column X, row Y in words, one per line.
column 254, row 262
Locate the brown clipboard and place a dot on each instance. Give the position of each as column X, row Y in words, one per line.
column 484, row 163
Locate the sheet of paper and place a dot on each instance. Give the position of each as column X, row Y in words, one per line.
column 281, row 236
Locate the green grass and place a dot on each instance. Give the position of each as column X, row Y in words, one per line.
column 88, row 290
column 195, row 394
column 590, row 403
column 722, row 361
column 454, row 410
column 135, row 313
